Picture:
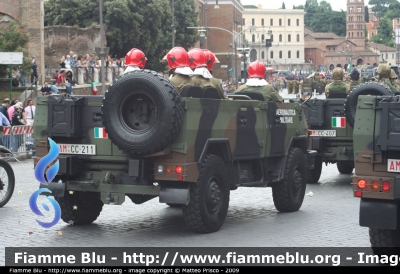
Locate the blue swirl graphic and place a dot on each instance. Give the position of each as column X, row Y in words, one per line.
column 45, row 161
column 36, row 210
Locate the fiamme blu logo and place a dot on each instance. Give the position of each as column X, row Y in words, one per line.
column 47, row 166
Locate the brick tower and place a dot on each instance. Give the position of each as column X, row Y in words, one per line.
column 355, row 22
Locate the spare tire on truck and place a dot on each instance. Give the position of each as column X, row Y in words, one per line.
column 142, row 112
column 369, row 88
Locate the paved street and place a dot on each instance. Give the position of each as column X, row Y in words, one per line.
column 328, row 218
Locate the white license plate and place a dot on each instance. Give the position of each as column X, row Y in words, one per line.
column 393, row 165
column 325, row 133
column 77, row 149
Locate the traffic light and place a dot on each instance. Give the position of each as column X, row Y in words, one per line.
column 268, row 43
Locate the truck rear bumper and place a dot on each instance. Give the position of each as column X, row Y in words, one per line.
column 378, row 213
column 58, row 189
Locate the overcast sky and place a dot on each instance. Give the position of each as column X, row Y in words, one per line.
column 276, row 4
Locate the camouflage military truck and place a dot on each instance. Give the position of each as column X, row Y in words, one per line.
column 377, row 169
column 145, row 140
column 330, row 123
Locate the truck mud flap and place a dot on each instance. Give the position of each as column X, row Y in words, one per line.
column 57, row 189
column 175, row 195
column 378, row 213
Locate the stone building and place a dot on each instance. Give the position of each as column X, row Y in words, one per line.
column 30, row 13
column 285, row 28
column 220, row 24
column 332, row 51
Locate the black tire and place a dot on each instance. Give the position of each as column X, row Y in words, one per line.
column 384, row 241
column 369, row 88
column 289, row 194
column 209, row 197
column 314, row 174
column 7, row 182
column 142, row 112
column 82, row 208
column 345, row 167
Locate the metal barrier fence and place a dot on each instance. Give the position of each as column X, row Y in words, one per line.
column 89, row 75
column 19, row 140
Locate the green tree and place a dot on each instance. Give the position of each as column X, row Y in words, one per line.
column 299, row 7
column 385, row 32
column 394, row 10
column 144, row 24
column 366, row 10
column 321, row 18
column 380, row 7
column 14, row 38
column 283, row 5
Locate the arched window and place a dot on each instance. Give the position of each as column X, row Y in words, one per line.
column 298, row 54
column 298, row 38
column 271, row 55
column 289, row 38
column 253, row 38
column 262, row 37
column 272, row 38
column 262, row 55
column 289, row 54
column 280, row 54
column 280, row 37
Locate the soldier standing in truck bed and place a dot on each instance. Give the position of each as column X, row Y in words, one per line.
column 384, row 72
column 337, row 85
column 180, row 72
column 256, row 83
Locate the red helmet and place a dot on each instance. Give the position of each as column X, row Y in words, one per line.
column 177, row 57
column 256, row 70
column 197, row 58
column 210, row 58
column 135, row 57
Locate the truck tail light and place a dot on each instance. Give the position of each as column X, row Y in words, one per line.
column 358, row 194
column 178, row 169
column 385, row 186
column 361, row 184
column 375, row 185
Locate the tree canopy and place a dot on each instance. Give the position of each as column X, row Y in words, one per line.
column 143, row 24
column 380, row 7
column 321, row 18
column 14, row 38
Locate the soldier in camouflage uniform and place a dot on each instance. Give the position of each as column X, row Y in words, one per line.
column 355, row 79
column 338, row 85
column 393, row 78
column 316, row 82
column 384, row 71
column 180, row 71
column 257, row 83
column 322, row 82
column 290, row 83
column 296, row 85
column 198, row 63
column 217, row 83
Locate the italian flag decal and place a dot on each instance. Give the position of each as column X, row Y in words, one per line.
column 100, row 132
column 339, row 122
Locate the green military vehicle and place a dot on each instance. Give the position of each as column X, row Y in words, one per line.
column 331, row 122
column 145, row 140
column 377, row 168
column 331, row 135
